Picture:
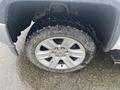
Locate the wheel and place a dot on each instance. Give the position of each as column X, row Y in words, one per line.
column 60, row 48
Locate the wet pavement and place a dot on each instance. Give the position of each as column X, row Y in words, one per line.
column 17, row 73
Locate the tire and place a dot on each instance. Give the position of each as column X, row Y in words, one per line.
column 60, row 31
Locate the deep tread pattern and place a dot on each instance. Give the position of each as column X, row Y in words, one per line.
column 59, row 30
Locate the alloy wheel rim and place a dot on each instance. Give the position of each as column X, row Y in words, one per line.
column 60, row 53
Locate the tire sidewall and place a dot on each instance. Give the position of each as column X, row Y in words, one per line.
column 59, row 31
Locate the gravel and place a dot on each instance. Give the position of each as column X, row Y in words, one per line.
column 17, row 73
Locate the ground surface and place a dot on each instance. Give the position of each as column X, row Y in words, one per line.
column 20, row 74
column 17, row 73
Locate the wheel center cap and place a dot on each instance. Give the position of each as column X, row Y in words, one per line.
column 60, row 52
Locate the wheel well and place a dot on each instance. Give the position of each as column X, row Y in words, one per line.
column 101, row 17
column 63, row 19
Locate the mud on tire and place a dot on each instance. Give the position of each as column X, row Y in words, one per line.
column 60, row 31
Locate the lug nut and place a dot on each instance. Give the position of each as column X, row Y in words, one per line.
column 62, row 48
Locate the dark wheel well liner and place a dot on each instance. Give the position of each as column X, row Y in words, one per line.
column 53, row 20
column 101, row 17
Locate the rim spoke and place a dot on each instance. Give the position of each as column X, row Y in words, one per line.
column 68, row 61
column 54, row 62
column 49, row 43
column 43, row 54
column 58, row 56
column 67, row 43
column 76, row 53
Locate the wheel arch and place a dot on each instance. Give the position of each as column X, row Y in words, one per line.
column 88, row 14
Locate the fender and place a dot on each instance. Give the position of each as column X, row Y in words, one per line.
column 5, row 37
column 113, row 43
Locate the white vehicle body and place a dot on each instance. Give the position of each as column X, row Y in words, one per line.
column 113, row 43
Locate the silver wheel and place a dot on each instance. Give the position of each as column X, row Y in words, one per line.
column 60, row 49
column 60, row 53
